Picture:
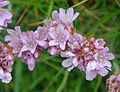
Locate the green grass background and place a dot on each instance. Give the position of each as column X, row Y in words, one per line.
column 100, row 17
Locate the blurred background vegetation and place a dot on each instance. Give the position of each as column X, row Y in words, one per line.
column 101, row 18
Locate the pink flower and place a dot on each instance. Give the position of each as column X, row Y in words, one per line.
column 68, row 17
column 87, row 58
column 56, row 20
column 71, row 62
column 42, row 37
column 27, row 45
column 5, row 15
column 14, row 34
column 99, row 43
column 53, row 50
column 17, row 45
column 29, row 42
column 30, row 59
column 59, row 37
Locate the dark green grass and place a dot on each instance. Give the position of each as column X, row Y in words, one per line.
column 49, row 75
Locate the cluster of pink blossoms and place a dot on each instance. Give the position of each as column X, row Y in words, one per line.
column 6, row 62
column 59, row 37
column 113, row 82
column 5, row 15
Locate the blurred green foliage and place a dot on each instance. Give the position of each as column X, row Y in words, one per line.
column 99, row 17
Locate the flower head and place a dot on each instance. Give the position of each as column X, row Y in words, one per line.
column 87, row 57
column 113, row 82
column 6, row 62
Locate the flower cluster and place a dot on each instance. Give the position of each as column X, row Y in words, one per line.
column 5, row 15
column 60, row 28
column 26, row 45
column 88, row 54
column 6, row 62
column 113, row 82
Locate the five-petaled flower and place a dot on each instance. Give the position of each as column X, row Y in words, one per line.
column 59, row 37
column 68, row 17
column 29, row 42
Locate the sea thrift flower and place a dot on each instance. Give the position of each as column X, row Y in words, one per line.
column 42, row 37
column 6, row 62
column 3, row 3
column 30, row 58
column 84, row 55
column 71, row 62
column 99, row 43
column 60, row 37
column 56, row 20
column 29, row 41
column 15, row 38
column 100, row 65
column 113, row 82
column 68, row 17
column 28, row 45
column 14, row 34
column 53, row 50
column 17, row 45
column 5, row 15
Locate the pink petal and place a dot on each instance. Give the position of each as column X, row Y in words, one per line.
column 52, row 34
column 47, row 22
column 8, row 38
column 75, row 62
column 53, row 43
column 69, row 69
column 103, row 72
column 31, row 64
column 18, row 30
column 107, row 63
column 110, row 56
column 62, row 45
column 41, row 42
column 91, row 65
column 67, row 63
column 55, row 15
column 6, row 77
column 90, row 75
column 75, row 16
column 70, row 12
column 2, row 4
column 60, row 28
column 67, row 54
column 53, row 50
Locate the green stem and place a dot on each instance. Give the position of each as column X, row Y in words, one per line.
column 98, row 84
column 63, row 82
